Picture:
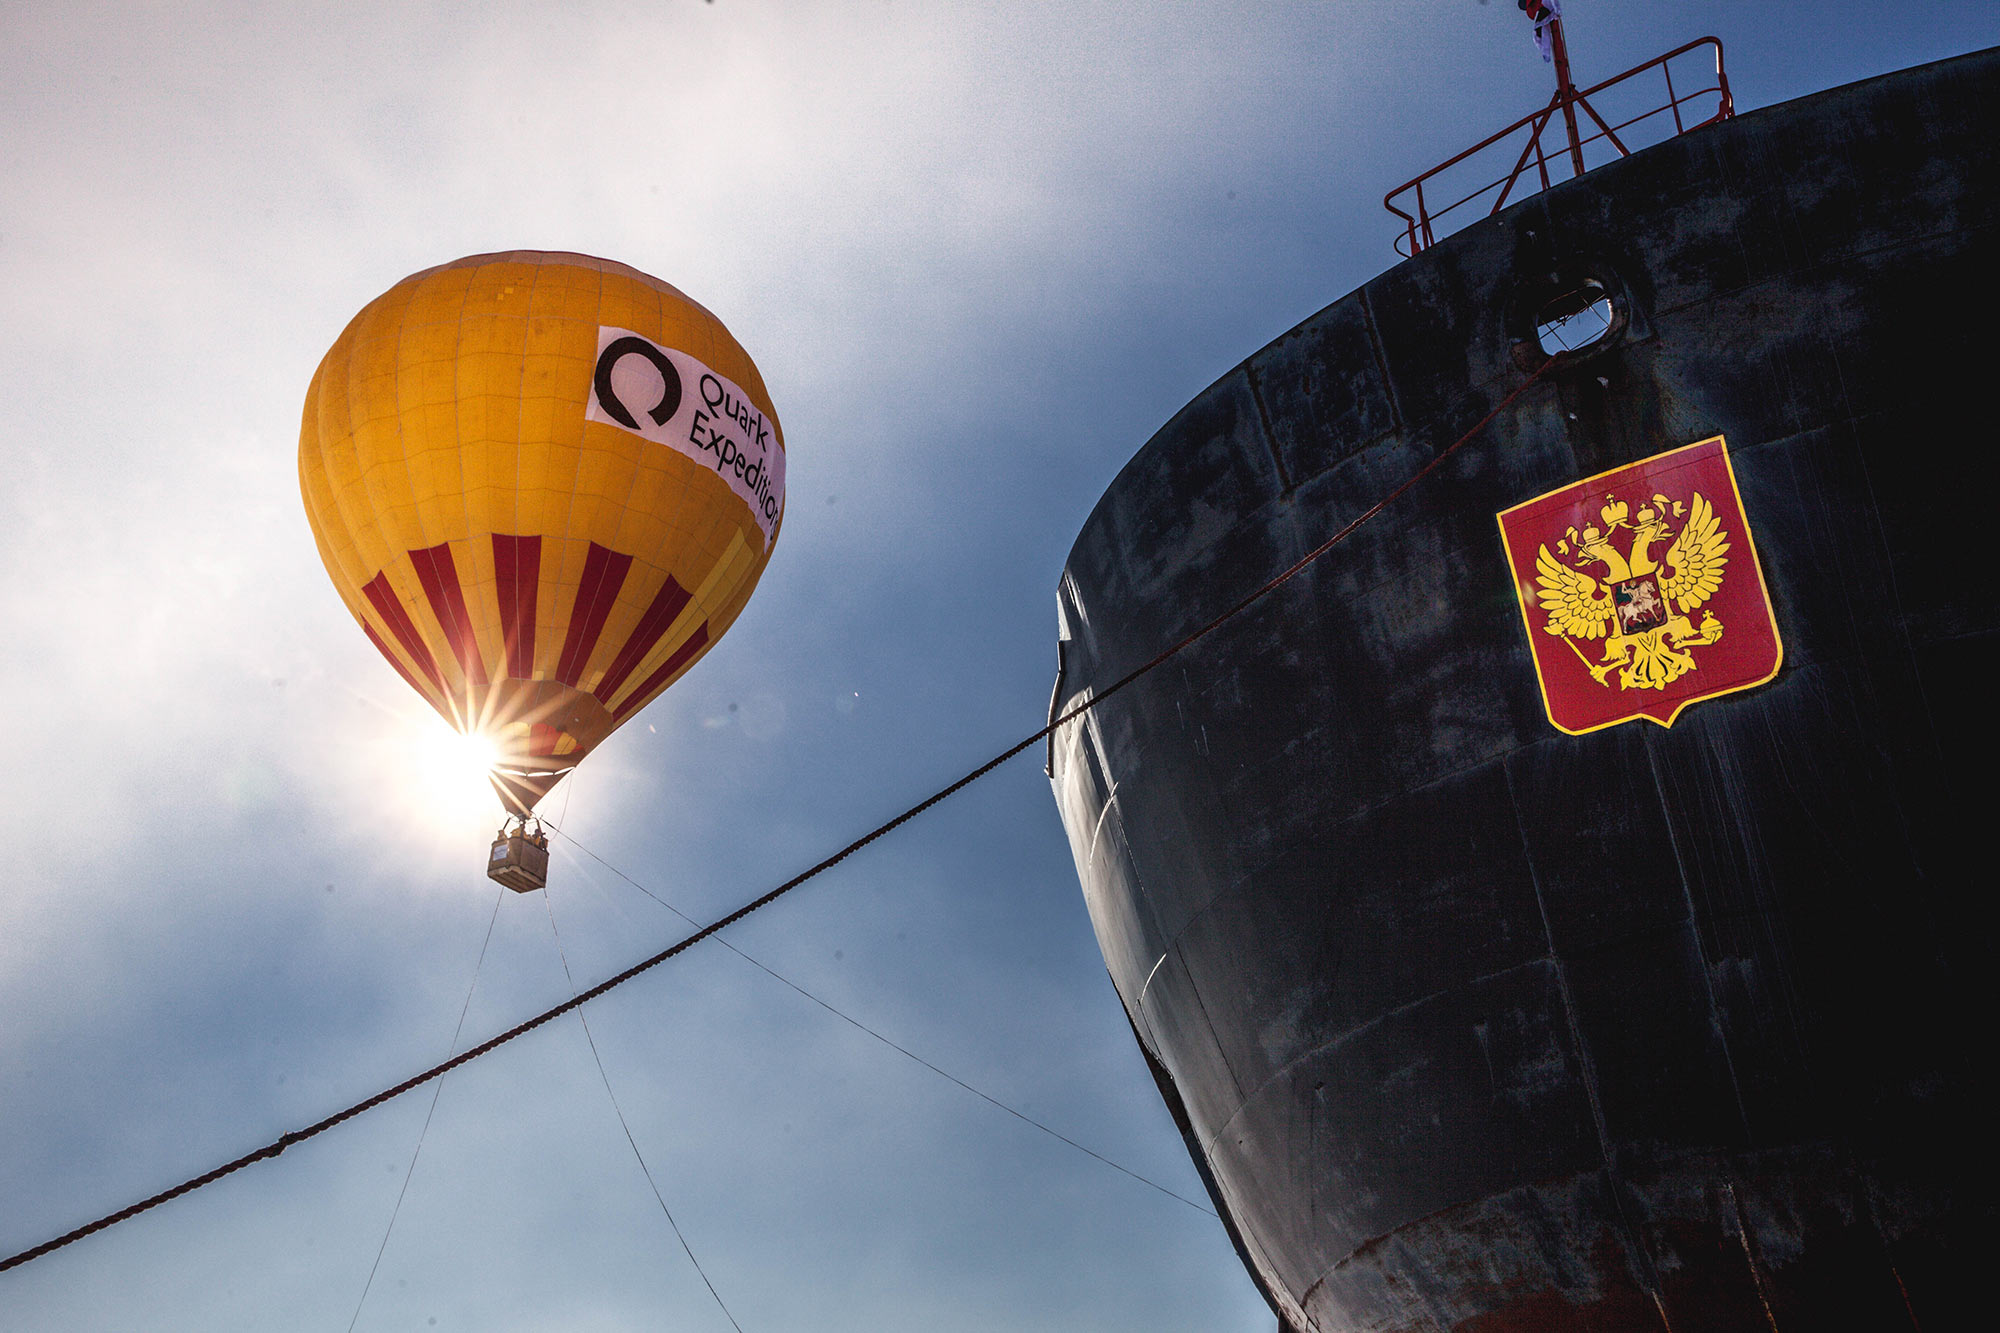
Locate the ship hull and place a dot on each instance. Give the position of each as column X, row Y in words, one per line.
column 1473, row 1024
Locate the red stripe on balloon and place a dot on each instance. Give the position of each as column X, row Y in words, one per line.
column 517, row 568
column 659, row 617
column 439, row 576
column 401, row 670
column 391, row 610
column 543, row 738
column 603, row 575
column 675, row 661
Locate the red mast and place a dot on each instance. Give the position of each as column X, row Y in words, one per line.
column 1546, row 15
column 1566, row 92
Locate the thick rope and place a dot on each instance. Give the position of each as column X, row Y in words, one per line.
column 582, row 998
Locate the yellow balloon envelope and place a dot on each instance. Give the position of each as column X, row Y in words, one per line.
column 545, row 484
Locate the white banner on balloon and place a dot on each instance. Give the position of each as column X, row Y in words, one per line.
column 668, row 397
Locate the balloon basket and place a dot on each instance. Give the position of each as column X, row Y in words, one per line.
column 520, row 858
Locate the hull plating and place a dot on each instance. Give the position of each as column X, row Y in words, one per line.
column 1475, row 1025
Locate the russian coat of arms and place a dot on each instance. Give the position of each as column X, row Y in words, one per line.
column 1627, row 581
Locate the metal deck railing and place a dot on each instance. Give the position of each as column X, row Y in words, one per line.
column 1424, row 221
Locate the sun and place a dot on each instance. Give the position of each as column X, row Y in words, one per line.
column 450, row 769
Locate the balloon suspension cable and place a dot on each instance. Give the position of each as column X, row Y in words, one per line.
column 583, row 997
column 410, row 1171
column 647, row 1171
column 860, row 1026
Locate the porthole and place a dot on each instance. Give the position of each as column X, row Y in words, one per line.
column 1579, row 319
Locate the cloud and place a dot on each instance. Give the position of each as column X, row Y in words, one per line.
column 980, row 253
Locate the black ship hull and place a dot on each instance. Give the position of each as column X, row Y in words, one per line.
column 1472, row 1024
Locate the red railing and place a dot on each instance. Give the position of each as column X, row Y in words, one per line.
column 1421, row 228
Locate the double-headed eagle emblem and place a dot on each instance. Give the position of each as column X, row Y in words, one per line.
column 1637, row 603
column 1626, row 571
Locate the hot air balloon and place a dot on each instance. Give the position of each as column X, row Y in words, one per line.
column 544, row 484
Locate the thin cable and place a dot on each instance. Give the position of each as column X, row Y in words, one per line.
column 569, row 789
column 1027, row 1119
column 645, row 965
column 903, row 1050
column 549, row 902
column 436, row 1093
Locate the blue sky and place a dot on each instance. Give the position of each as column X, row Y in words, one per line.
column 980, row 253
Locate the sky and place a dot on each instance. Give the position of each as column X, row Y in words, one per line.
column 980, row 253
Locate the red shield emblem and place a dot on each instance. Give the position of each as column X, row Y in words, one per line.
column 1641, row 590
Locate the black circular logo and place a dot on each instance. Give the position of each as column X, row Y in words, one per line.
column 607, row 397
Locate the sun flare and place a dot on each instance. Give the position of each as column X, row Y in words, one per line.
column 451, row 770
